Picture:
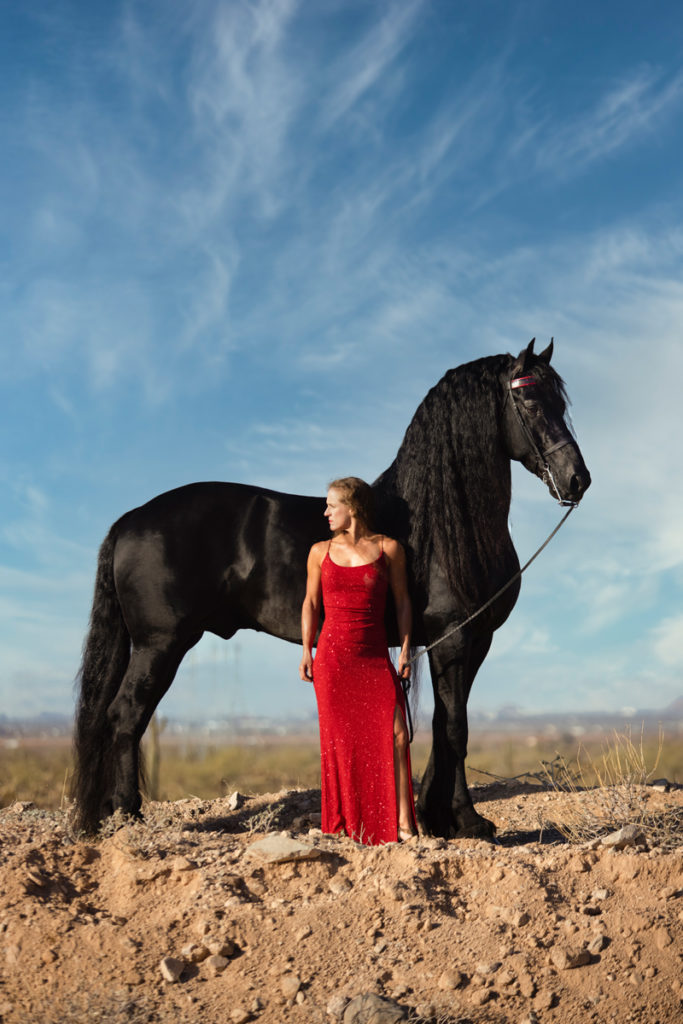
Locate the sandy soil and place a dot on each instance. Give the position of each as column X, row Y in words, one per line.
column 187, row 917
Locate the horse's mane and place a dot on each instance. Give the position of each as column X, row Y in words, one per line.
column 448, row 491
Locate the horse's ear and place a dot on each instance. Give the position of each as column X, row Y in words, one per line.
column 524, row 358
column 547, row 354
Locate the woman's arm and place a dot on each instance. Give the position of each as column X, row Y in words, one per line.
column 310, row 611
column 398, row 580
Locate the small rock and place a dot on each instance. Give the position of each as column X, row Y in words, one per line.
column 194, row 953
column 481, row 996
column 527, row 985
column 661, row 785
column 290, row 985
column 37, row 878
column 220, row 947
column 240, row 1015
column 336, row 1006
column 372, row 1009
column 398, row 988
column 171, row 969
column 506, row 977
column 629, row 835
column 339, row 886
column 19, row 806
column 182, row 864
column 545, row 1000
column 217, row 963
column 669, row 892
column 450, row 980
column 303, row 933
column 567, row 959
column 300, row 997
column 279, row 849
column 597, row 944
column 425, row 1011
column 488, row 968
column 517, row 918
column 394, row 890
column 235, row 801
column 662, row 937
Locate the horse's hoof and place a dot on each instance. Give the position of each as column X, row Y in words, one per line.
column 476, row 828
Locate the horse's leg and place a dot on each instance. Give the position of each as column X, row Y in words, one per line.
column 150, row 673
column 445, row 806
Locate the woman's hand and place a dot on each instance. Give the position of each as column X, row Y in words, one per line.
column 404, row 666
column 306, row 667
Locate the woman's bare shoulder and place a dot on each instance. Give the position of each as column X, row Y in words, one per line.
column 392, row 547
column 318, row 550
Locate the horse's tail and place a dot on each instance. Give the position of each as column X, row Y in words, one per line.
column 106, row 654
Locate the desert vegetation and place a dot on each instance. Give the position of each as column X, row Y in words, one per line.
column 38, row 768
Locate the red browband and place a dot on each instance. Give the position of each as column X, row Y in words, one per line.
column 522, row 382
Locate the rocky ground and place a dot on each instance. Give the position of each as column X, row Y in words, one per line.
column 239, row 910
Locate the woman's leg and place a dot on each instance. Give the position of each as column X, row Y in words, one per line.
column 406, row 818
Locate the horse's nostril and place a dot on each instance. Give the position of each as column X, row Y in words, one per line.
column 579, row 484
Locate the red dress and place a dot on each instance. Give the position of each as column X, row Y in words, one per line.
column 357, row 690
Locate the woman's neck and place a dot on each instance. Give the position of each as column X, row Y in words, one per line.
column 356, row 532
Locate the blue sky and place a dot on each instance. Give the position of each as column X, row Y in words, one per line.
column 241, row 241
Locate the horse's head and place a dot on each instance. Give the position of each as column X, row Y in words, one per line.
column 535, row 428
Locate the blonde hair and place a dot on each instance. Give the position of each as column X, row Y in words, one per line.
column 357, row 495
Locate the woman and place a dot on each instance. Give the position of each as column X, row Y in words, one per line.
column 364, row 750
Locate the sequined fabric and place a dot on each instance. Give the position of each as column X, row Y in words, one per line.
column 357, row 690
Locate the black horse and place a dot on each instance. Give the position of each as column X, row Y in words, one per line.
column 222, row 557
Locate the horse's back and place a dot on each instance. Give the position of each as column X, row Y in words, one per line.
column 217, row 556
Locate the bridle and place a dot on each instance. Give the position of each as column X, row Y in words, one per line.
column 513, row 385
column 541, row 456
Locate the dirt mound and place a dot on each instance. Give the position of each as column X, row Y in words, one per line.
column 232, row 911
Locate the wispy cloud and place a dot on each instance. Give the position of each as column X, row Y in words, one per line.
column 243, row 94
column 633, row 108
column 360, row 69
column 667, row 640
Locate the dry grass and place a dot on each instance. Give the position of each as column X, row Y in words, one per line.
column 39, row 772
column 265, row 820
column 606, row 792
